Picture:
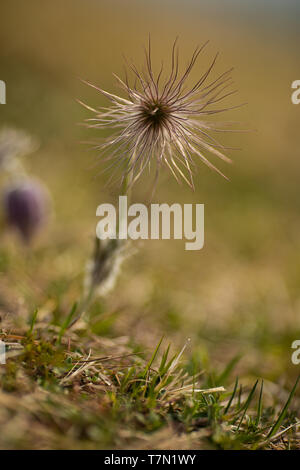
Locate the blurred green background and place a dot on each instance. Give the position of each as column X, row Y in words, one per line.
column 240, row 294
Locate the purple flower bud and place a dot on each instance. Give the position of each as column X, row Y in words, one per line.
column 25, row 207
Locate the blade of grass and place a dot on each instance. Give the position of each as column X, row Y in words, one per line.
column 239, row 397
column 33, row 320
column 232, row 396
column 67, row 322
column 247, row 404
column 259, row 406
column 227, row 371
column 152, row 357
column 164, row 360
column 284, row 410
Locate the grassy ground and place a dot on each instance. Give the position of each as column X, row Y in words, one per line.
column 234, row 306
column 82, row 390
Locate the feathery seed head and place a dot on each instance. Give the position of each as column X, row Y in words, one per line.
column 163, row 122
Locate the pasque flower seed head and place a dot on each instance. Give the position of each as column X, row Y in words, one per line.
column 162, row 121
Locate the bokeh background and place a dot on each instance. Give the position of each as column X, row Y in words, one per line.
column 240, row 294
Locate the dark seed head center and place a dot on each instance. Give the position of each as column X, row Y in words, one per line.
column 155, row 113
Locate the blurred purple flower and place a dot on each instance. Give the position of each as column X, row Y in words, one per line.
column 26, row 207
